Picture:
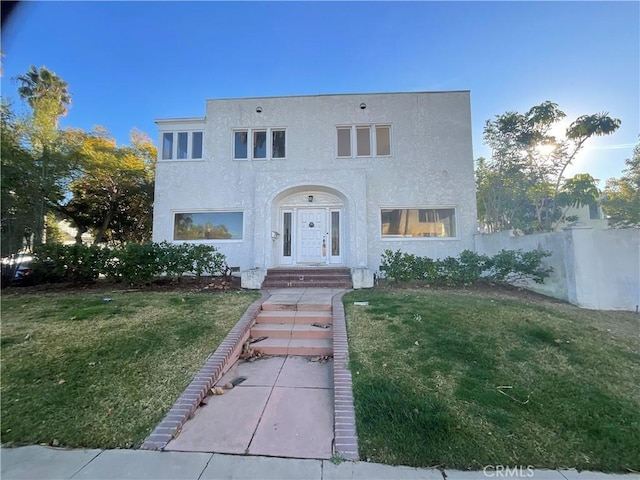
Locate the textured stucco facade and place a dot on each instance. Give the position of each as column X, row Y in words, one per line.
column 429, row 166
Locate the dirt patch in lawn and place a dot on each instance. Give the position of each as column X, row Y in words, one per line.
column 488, row 289
column 161, row 284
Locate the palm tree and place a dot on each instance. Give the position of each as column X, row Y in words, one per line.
column 38, row 84
column 48, row 96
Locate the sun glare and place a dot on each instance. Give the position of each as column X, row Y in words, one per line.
column 545, row 150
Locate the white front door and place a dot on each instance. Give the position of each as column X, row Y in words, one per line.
column 312, row 236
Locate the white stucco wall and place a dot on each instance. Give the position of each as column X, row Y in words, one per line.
column 431, row 166
column 556, row 284
column 596, row 269
column 616, row 259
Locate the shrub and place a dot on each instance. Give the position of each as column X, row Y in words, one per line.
column 515, row 265
column 133, row 263
column 72, row 263
column 176, row 259
column 206, row 259
column 137, row 262
column 467, row 269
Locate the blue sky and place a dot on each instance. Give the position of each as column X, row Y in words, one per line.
column 128, row 63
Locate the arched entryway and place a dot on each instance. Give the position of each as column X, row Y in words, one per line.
column 309, row 226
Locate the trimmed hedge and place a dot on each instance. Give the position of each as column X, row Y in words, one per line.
column 468, row 268
column 134, row 263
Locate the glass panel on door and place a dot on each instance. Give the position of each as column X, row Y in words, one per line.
column 335, row 234
column 286, row 235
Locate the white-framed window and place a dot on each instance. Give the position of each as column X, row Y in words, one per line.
column 344, row 141
column 181, row 145
column 213, row 225
column 259, row 143
column 364, row 141
column 418, row 222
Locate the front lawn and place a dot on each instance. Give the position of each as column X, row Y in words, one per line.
column 464, row 380
column 101, row 370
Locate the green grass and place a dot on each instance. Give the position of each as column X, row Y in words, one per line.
column 464, row 380
column 92, row 373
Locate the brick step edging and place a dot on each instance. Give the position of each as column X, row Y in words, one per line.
column 345, row 443
column 213, row 369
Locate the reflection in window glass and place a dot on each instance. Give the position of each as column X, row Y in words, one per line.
column 183, row 138
column 344, row 142
column 286, row 235
column 277, row 144
column 335, row 234
column 363, row 137
column 208, row 226
column 413, row 222
column 383, row 140
column 240, row 145
column 196, row 145
column 167, row 146
column 259, row 144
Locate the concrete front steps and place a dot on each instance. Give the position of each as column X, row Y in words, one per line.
column 309, row 277
column 290, row 329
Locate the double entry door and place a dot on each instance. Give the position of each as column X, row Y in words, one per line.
column 311, row 236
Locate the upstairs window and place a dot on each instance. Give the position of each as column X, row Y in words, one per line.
column 196, row 145
column 181, row 145
column 240, row 142
column 183, row 142
column 259, row 144
column 383, row 140
column 167, row 146
column 364, row 140
column 277, row 144
column 344, row 141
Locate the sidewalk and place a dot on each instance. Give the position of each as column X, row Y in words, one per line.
column 44, row 463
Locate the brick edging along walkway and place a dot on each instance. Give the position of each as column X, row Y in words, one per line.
column 213, row 369
column 344, row 415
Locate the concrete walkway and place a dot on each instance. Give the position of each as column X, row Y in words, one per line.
column 44, row 463
column 284, row 408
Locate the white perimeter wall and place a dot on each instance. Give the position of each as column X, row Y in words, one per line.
column 597, row 269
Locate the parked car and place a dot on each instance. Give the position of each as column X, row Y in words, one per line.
column 16, row 270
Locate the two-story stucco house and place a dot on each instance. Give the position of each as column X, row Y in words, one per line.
column 324, row 180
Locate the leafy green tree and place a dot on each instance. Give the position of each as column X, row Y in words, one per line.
column 53, row 230
column 113, row 194
column 525, row 152
column 622, row 195
column 501, row 192
column 49, row 98
column 578, row 191
column 19, row 182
